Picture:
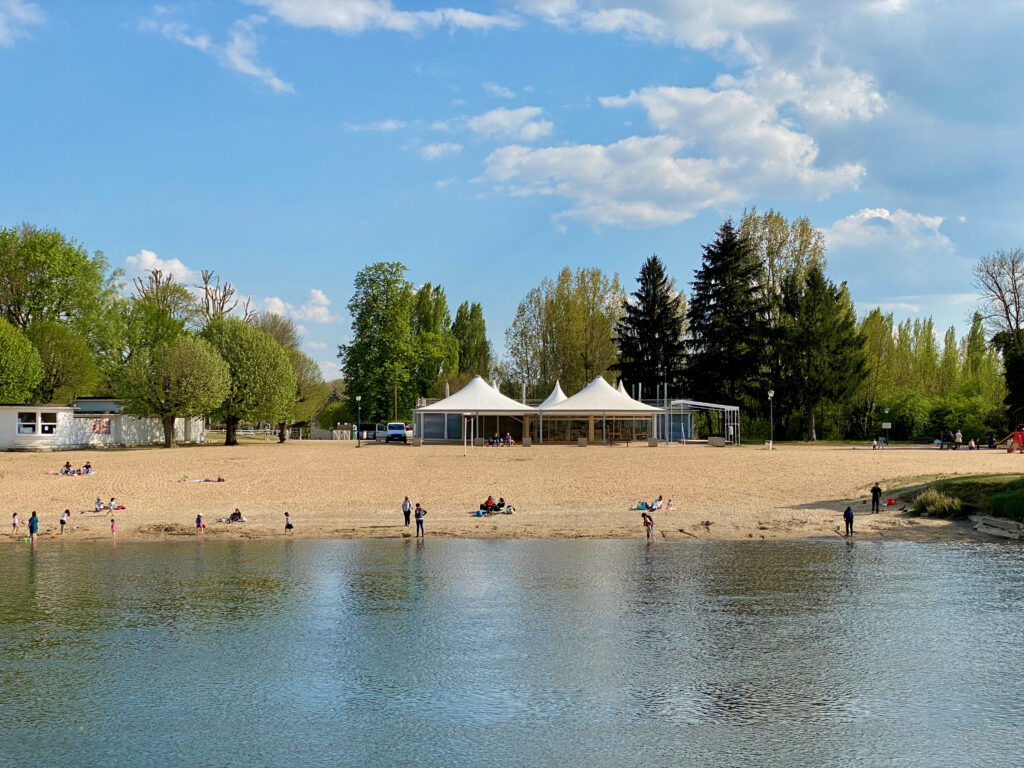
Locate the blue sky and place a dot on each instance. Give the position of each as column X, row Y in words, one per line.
column 287, row 143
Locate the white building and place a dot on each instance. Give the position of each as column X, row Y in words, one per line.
column 93, row 422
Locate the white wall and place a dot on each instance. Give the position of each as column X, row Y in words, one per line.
column 77, row 431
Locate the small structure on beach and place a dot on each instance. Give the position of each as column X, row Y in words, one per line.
column 478, row 409
column 599, row 404
column 93, row 422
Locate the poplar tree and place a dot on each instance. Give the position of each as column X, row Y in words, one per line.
column 435, row 350
column 650, row 332
column 470, row 331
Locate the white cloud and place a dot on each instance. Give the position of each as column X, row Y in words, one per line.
column 15, row 16
column 715, row 146
column 384, row 126
column 516, row 124
column 899, row 307
column 316, row 344
column 442, row 183
column 238, row 53
column 329, row 369
column 316, row 308
column 355, row 16
column 144, row 261
column 874, row 227
column 437, row 151
column 499, row 91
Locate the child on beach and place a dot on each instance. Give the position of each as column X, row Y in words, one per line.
column 64, row 520
column 648, row 524
column 113, row 528
column 288, row 523
column 848, row 519
column 110, row 504
column 200, row 525
column 14, row 524
column 98, row 506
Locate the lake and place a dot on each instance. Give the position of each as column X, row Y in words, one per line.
column 512, row 653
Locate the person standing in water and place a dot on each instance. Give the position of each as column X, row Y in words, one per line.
column 200, row 528
column 648, row 524
column 876, row 497
column 33, row 526
column 848, row 519
column 407, row 510
column 419, row 514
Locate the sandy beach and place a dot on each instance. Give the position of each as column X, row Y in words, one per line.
column 336, row 490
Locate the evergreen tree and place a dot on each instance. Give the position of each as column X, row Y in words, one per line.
column 650, row 332
column 824, row 353
column 726, row 321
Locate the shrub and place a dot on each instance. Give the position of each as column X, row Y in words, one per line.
column 937, row 504
column 1009, row 504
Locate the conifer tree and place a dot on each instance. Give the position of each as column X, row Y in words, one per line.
column 650, row 332
column 726, row 320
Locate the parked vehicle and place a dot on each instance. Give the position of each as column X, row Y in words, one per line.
column 398, row 431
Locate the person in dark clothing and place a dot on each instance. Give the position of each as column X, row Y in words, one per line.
column 848, row 518
column 419, row 513
column 33, row 527
column 876, row 497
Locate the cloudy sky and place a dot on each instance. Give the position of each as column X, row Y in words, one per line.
column 287, row 143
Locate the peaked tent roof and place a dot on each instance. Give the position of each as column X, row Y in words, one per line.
column 556, row 396
column 622, row 388
column 477, row 397
column 601, row 397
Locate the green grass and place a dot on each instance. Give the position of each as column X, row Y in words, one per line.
column 997, row 495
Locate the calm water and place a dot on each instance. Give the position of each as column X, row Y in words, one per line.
column 512, row 653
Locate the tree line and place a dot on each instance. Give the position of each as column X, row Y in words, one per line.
column 68, row 329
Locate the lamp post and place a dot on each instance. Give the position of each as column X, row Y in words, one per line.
column 887, row 423
column 771, row 411
column 359, row 420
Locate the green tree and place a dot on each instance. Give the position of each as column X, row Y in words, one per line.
column 949, row 364
column 183, row 376
column 20, row 367
column 470, row 332
column 69, row 369
column 45, row 276
column 726, row 333
column 526, row 344
column 280, row 328
column 377, row 364
column 435, row 351
column 824, row 354
column 310, row 390
column 650, row 332
column 262, row 386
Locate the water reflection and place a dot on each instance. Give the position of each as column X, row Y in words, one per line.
column 512, row 653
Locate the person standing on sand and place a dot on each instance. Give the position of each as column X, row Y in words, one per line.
column 648, row 524
column 113, row 529
column 33, row 526
column 407, row 510
column 200, row 527
column 288, row 527
column 848, row 519
column 64, row 520
column 876, row 497
column 419, row 513
column 14, row 524
column 959, row 438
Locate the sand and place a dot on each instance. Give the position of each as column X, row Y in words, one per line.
column 336, row 490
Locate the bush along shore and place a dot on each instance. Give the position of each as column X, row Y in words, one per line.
column 994, row 503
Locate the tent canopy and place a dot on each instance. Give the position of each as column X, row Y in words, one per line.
column 600, row 397
column 556, row 396
column 478, row 398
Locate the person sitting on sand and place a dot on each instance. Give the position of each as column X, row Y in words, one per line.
column 670, row 505
column 66, row 469
column 508, row 439
column 656, row 504
column 236, row 517
column 110, row 504
column 488, row 506
column 500, row 505
column 98, row 506
column 87, row 468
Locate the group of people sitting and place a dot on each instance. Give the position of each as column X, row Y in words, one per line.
column 658, row 503
column 67, row 469
column 498, row 441
column 492, row 507
column 99, row 506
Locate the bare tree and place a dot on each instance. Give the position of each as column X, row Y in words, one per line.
column 999, row 279
column 218, row 300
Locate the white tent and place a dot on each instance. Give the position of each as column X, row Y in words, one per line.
column 622, row 388
column 599, row 398
column 556, row 396
column 446, row 419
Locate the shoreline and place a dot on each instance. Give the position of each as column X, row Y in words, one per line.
column 335, row 490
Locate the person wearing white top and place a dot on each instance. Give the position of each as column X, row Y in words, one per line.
column 64, row 520
column 14, row 524
column 407, row 509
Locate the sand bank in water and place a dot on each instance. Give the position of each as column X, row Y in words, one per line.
column 336, row 490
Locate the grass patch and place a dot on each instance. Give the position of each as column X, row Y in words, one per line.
column 996, row 495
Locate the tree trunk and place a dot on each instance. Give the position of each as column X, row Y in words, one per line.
column 168, row 431
column 230, row 436
column 282, row 432
column 811, row 436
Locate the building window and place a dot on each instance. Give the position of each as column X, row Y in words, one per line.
column 48, row 424
column 27, row 423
